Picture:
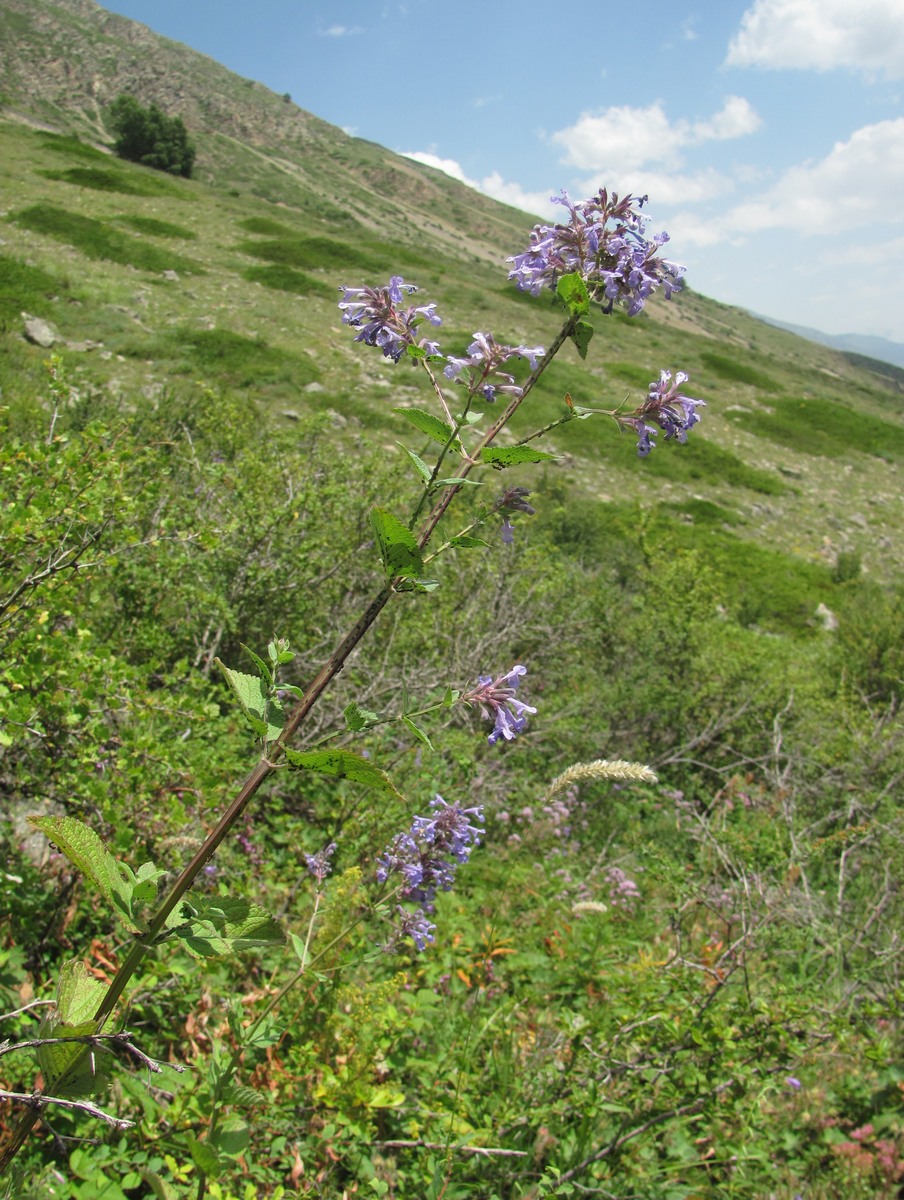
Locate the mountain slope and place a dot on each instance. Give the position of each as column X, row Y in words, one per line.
column 231, row 279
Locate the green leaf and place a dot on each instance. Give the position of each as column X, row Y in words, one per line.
column 419, row 733
column 420, row 466
column 79, row 994
column 457, row 479
column 68, row 1066
column 581, row 335
column 464, row 542
column 358, row 718
column 511, row 456
column 222, row 925
column 204, row 1156
column 572, row 291
column 345, row 765
column 264, row 715
column 398, row 545
column 259, row 662
column 88, row 854
column 428, row 424
column 232, row 1138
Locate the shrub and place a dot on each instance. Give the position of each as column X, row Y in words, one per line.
column 148, row 136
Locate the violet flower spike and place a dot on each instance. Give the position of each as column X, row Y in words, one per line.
column 604, row 242
column 379, row 315
column 421, row 857
column 319, row 864
column 480, row 372
column 512, row 500
column 497, row 702
column 674, row 413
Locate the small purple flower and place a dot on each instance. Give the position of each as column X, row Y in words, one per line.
column 497, row 701
column 514, row 499
column 383, row 322
column 421, row 857
column 416, row 926
column 674, row 413
column 319, row 864
column 603, row 241
column 793, row 1083
column 480, row 372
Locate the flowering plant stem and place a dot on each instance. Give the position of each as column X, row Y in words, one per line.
column 144, row 942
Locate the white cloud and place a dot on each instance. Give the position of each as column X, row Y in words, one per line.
column 491, row 185
column 447, row 165
column 851, row 196
column 338, row 31
column 821, row 34
column 622, row 139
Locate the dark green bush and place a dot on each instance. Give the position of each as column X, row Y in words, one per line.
column 148, row 136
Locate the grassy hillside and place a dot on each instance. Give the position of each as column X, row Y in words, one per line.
column 681, row 985
column 172, row 282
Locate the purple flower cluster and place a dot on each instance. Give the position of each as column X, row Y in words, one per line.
column 604, row 243
column 426, row 858
column 623, row 892
column 514, row 499
column 319, row 864
column 497, row 701
column 382, row 319
column 480, row 372
column 674, row 413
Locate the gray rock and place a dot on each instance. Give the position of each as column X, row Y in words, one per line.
column 38, row 332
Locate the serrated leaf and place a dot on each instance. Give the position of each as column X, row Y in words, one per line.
column 258, row 662
column 465, row 542
column 232, row 1138
column 358, row 718
column 419, row 733
column 581, row 335
column 431, row 426
column 344, row 765
column 79, row 994
column 398, row 546
column 419, row 465
column 511, row 456
column 243, row 1096
column 572, row 291
column 90, row 856
column 223, row 925
column 265, row 716
column 161, row 1189
column 68, row 1065
column 204, row 1156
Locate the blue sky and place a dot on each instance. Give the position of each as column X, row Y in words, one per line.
column 768, row 134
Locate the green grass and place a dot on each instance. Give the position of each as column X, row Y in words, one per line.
column 155, row 228
column 734, row 371
column 221, row 356
column 700, row 461
column 702, row 512
column 99, row 180
column 286, row 279
column 70, row 144
column 24, row 288
column 372, row 258
column 94, row 239
column 267, row 227
column 814, row 426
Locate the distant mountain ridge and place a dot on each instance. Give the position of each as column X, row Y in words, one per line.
column 863, row 344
